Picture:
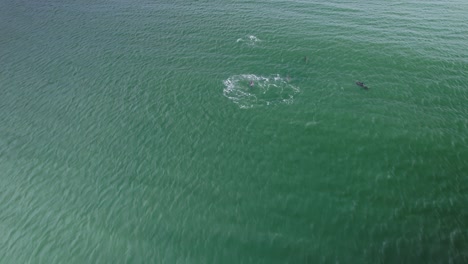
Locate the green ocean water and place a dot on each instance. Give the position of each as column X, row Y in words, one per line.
column 129, row 132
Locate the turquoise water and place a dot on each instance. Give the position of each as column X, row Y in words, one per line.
column 129, row 132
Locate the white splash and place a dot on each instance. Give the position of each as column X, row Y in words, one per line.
column 249, row 40
column 250, row 90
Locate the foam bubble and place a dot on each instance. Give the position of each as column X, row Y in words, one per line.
column 249, row 40
column 265, row 91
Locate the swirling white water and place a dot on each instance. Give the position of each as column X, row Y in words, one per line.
column 250, row 90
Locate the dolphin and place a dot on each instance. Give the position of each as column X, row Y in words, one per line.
column 362, row 85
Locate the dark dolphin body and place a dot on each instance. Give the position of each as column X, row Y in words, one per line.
column 362, row 85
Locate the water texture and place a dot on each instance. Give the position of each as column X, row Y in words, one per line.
column 233, row 131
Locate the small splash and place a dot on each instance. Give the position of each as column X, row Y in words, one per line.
column 311, row 123
column 249, row 40
column 250, row 90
